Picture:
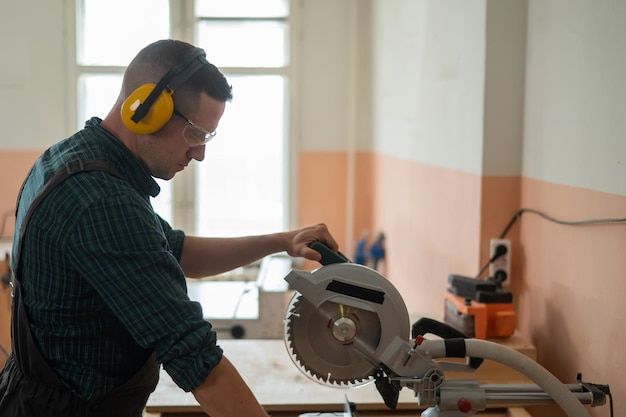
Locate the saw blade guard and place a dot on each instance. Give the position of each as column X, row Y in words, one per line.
column 334, row 328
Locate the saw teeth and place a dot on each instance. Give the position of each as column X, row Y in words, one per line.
column 293, row 315
column 323, row 379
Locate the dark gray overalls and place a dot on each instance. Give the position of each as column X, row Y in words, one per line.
column 29, row 387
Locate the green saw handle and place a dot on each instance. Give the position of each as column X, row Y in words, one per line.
column 328, row 256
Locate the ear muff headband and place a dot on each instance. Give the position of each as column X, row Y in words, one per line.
column 171, row 80
column 148, row 108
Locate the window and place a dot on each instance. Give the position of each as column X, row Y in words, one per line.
column 102, row 52
column 241, row 186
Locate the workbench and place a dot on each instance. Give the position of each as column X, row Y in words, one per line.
column 284, row 391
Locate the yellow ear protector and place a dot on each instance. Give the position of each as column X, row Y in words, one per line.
column 147, row 109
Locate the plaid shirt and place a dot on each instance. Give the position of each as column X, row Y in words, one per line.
column 100, row 274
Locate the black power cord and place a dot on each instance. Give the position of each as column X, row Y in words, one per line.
column 587, row 222
column 501, row 250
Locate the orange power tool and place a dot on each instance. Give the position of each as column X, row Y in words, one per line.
column 479, row 308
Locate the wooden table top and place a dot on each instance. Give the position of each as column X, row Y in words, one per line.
column 281, row 388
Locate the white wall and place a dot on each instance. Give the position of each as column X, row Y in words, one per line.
column 575, row 115
column 33, row 89
column 505, row 63
column 477, row 86
column 324, row 88
column 429, row 67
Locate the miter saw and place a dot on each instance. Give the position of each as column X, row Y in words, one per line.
column 347, row 326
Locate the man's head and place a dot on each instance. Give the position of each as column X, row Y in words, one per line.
column 166, row 133
column 157, row 72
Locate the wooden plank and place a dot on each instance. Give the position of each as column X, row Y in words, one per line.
column 518, row 412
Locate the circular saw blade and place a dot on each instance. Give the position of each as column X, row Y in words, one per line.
column 321, row 341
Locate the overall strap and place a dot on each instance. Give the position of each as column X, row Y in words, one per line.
column 71, row 168
column 28, row 385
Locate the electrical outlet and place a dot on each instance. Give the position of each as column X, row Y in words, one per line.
column 500, row 268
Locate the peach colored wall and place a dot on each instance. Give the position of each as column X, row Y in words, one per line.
column 431, row 218
column 500, row 200
column 427, row 214
column 322, row 192
column 572, row 298
column 14, row 166
column 364, row 195
column 322, row 189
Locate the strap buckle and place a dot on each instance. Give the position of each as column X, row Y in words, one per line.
column 75, row 166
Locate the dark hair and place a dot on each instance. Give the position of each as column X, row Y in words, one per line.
column 156, row 59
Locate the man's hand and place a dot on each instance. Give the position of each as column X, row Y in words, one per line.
column 300, row 239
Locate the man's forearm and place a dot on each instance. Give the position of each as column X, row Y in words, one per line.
column 225, row 394
column 210, row 256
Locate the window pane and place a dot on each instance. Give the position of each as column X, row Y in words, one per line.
column 240, row 184
column 96, row 95
column 162, row 204
column 250, row 43
column 111, row 32
column 242, row 8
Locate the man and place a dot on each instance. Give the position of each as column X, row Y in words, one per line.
column 99, row 278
